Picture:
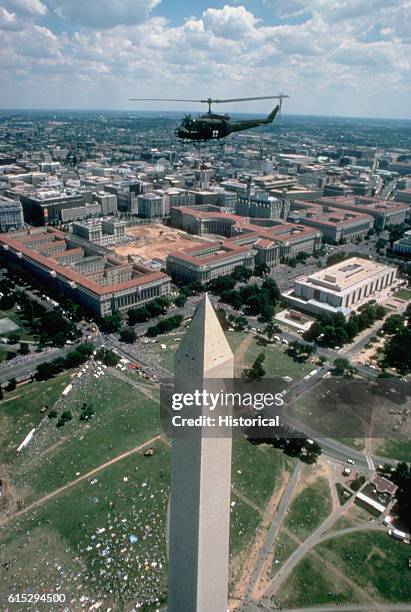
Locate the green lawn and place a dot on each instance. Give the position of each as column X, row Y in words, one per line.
column 15, row 315
column 373, row 559
column 277, row 362
column 284, row 548
column 309, row 509
column 258, row 469
column 94, row 521
column 403, row 294
column 311, row 584
column 20, row 411
column 394, row 449
column 123, row 419
column 244, row 521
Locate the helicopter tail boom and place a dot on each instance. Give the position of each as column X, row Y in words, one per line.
column 238, row 126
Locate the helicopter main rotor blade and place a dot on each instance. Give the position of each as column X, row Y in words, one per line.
column 246, row 99
column 161, row 100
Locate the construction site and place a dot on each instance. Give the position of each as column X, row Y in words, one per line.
column 155, row 242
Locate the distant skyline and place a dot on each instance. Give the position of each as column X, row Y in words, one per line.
column 333, row 57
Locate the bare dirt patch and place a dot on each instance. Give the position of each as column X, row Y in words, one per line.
column 156, row 241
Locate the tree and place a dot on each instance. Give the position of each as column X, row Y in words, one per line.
column 267, row 312
column 112, row 323
column 402, row 478
column 342, row 367
column 300, row 351
column 138, row 315
column 241, row 274
column 271, row 329
column 108, row 357
column 220, row 284
column 127, row 334
column 312, row 451
column 256, row 372
column 12, row 384
column 397, row 351
column 180, row 300
column 65, row 418
column 261, row 270
column 393, row 324
column 380, row 244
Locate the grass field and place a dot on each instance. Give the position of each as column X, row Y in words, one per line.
column 403, row 294
column 257, row 470
column 20, row 411
column 395, row 449
column 284, row 548
column 245, row 347
column 311, row 584
column 123, row 419
column 15, row 315
column 309, row 509
column 372, row 559
column 93, row 523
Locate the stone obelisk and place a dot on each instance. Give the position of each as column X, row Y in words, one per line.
column 201, row 480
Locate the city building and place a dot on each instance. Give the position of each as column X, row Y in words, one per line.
column 94, row 278
column 334, row 224
column 261, row 205
column 403, row 195
column 384, row 212
column 199, row 528
column 45, row 206
column 107, row 202
column 100, row 231
column 151, row 206
column 247, row 243
column 11, row 214
column 341, row 287
column 403, row 245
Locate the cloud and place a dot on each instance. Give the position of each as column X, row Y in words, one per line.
column 230, row 22
column 101, row 53
column 8, row 20
column 103, row 13
column 26, row 7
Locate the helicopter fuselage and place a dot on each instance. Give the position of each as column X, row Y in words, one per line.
column 206, row 127
column 213, row 126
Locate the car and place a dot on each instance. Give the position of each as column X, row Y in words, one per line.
column 350, row 461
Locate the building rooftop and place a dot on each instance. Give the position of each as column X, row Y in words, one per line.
column 344, row 275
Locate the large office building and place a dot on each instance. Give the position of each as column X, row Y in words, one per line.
column 45, row 206
column 335, row 224
column 341, row 287
column 95, row 279
column 261, row 205
column 403, row 245
column 100, row 231
column 151, row 206
column 246, row 244
column 11, row 214
column 384, row 212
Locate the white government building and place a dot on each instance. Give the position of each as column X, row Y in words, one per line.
column 341, row 287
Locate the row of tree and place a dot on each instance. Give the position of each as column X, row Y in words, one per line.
column 73, row 359
column 331, row 330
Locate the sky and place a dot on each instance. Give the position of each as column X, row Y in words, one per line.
column 332, row 57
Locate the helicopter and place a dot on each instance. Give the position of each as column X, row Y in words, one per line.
column 212, row 126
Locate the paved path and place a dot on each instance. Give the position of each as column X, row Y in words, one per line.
column 307, row 545
column 274, row 528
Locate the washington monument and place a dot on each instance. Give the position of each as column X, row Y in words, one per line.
column 201, row 480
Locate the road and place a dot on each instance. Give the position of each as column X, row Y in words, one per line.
column 25, row 368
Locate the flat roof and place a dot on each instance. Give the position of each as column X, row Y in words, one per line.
column 344, row 275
